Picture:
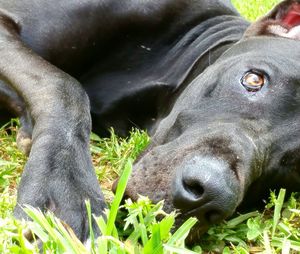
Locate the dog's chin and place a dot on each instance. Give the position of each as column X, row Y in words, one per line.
column 195, row 233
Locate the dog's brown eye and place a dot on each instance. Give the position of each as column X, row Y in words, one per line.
column 253, row 81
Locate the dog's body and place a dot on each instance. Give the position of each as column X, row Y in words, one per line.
column 140, row 62
column 135, row 55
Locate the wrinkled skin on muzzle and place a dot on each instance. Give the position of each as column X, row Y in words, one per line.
column 223, row 143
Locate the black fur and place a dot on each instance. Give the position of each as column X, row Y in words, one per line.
column 171, row 66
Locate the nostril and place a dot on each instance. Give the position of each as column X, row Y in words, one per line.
column 193, row 187
column 213, row 216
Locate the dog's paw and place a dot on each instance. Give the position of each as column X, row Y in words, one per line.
column 65, row 197
column 74, row 216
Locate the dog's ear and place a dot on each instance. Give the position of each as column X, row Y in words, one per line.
column 282, row 21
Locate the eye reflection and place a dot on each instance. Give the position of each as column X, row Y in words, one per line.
column 253, row 81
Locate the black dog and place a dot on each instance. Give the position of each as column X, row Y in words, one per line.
column 221, row 98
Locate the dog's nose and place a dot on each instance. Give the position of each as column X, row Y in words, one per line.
column 207, row 188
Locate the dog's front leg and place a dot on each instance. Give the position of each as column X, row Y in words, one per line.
column 59, row 174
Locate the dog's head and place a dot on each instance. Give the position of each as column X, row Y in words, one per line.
column 234, row 132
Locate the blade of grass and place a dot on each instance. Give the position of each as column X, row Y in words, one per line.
column 101, row 224
column 143, row 231
column 277, row 211
column 69, row 235
column 154, row 245
column 118, row 197
column 278, row 242
column 62, row 238
column 238, row 220
column 89, row 213
column 24, row 244
column 182, row 232
column 286, row 247
column 121, row 246
column 178, row 250
column 102, row 245
column 267, row 245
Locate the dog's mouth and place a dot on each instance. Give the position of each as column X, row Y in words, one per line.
column 196, row 231
column 283, row 21
column 291, row 16
column 287, row 22
column 199, row 229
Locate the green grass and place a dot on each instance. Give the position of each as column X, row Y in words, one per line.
column 251, row 9
column 137, row 230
